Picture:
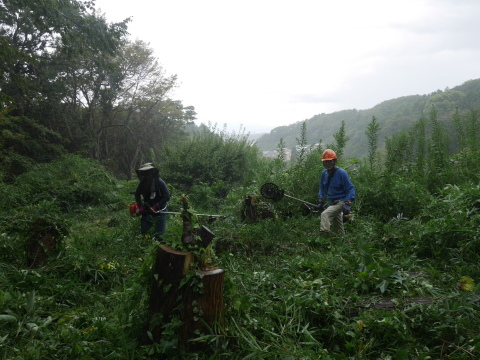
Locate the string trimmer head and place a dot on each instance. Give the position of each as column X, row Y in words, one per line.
column 274, row 193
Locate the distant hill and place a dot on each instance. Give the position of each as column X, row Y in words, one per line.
column 392, row 116
column 254, row 137
column 191, row 128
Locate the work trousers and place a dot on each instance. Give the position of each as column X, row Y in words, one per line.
column 158, row 222
column 333, row 214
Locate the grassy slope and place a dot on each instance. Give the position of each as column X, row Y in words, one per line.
column 289, row 294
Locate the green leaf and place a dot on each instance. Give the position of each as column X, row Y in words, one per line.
column 402, row 354
column 47, row 321
column 382, row 286
column 8, row 318
column 30, row 301
column 32, row 327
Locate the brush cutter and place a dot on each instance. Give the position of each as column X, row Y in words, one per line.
column 134, row 207
column 272, row 192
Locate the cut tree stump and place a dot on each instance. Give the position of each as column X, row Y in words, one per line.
column 255, row 208
column 203, row 312
column 174, row 295
column 44, row 241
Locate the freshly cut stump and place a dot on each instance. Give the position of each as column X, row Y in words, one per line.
column 175, row 292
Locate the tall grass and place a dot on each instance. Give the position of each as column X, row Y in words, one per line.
column 401, row 284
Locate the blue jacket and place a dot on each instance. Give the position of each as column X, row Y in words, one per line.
column 340, row 187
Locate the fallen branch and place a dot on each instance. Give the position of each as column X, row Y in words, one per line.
column 458, row 347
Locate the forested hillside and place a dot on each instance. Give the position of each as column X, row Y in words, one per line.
column 72, row 83
column 77, row 84
column 392, row 116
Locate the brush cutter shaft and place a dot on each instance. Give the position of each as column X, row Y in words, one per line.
column 179, row 213
column 305, row 202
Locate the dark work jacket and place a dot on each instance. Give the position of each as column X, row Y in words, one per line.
column 160, row 193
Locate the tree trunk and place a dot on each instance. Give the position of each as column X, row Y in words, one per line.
column 173, row 296
column 203, row 312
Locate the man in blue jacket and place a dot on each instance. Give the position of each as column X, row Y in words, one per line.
column 336, row 191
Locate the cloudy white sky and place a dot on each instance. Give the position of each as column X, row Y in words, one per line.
column 265, row 63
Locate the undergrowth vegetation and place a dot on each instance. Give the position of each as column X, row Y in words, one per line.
column 401, row 284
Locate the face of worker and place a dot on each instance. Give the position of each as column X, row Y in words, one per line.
column 142, row 175
column 329, row 164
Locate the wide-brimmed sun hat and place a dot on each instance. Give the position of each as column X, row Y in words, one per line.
column 146, row 166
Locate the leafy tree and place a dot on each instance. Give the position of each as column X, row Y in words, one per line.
column 465, row 160
column 398, row 153
column 459, row 129
column 144, row 116
column 419, row 133
column 281, row 150
column 445, row 101
column 278, row 165
column 301, row 148
column 42, row 41
column 55, row 67
column 65, row 68
column 341, row 139
column 473, row 131
column 437, row 153
column 372, row 131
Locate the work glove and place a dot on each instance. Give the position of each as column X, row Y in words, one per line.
column 320, row 206
column 140, row 210
column 155, row 208
column 346, row 212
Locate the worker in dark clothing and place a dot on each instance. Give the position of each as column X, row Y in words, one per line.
column 152, row 197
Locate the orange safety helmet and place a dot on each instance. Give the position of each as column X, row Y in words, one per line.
column 329, row 154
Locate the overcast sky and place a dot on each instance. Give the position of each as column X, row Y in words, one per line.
column 266, row 63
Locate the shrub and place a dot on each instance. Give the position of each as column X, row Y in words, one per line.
column 210, row 163
column 70, row 182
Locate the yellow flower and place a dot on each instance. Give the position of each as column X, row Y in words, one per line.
column 466, row 284
column 361, row 325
